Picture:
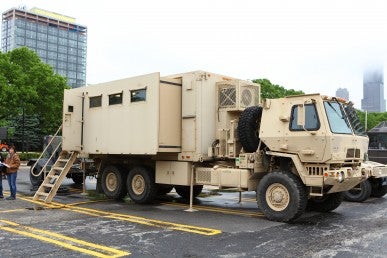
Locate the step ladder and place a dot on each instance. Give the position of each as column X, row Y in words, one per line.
column 55, row 177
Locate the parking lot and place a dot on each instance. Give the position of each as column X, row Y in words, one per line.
column 77, row 225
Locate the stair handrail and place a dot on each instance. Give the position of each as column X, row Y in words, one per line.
column 44, row 150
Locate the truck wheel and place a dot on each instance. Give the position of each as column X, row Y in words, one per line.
column 248, row 128
column 164, row 189
column 113, row 182
column 183, row 191
column 281, row 196
column 36, row 181
column 378, row 190
column 325, row 203
column 77, row 178
column 141, row 185
column 359, row 193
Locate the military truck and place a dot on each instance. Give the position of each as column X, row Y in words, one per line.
column 376, row 184
column 147, row 134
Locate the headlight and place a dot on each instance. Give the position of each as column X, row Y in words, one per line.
column 340, row 177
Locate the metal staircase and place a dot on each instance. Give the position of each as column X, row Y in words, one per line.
column 55, row 177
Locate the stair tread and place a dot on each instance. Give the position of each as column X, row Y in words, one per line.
column 42, row 193
column 48, row 185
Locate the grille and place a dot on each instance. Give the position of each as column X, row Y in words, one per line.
column 203, row 177
column 353, row 153
column 316, row 170
column 227, row 96
column 249, row 96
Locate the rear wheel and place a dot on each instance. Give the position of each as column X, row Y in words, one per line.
column 141, row 185
column 281, row 196
column 164, row 189
column 359, row 193
column 113, row 182
column 36, row 181
column 378, row 189
column 77, row 178
column 184, row 191
column 325, row 203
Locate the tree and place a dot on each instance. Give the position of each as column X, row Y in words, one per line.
column 271, row 91
column 27, row 135
column 373, row 119
column 30, row 87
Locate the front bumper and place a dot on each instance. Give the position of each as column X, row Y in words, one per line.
column 378, row 170
column 346, row 178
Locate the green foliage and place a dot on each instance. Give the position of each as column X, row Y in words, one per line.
column 27, row 134
column 29, row 86
column 28, row 155
column 373, row 119
column 272, row 91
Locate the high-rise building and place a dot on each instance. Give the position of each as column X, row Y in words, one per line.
column 342, row 93
column 56, row 38
column 373, row 91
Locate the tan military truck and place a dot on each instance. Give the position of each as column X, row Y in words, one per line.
column 148, row 134
column 376, row 184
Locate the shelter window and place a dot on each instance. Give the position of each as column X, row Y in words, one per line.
column 115, row 99
column 312, row 122
column 95, row 101
column 137, row 95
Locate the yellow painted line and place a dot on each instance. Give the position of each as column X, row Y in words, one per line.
column 130, row 218
column 246, row 199
column 15, row 210
column 216, row 209
column 63, row 241
column 86, row 202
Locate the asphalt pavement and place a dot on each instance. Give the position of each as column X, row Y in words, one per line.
column 76, row 224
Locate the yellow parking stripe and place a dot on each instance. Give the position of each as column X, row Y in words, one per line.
column 216, row 209
column 63, row 241
column 130, row 218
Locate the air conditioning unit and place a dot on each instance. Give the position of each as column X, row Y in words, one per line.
column 237, row 94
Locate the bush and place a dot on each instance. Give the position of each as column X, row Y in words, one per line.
column 24, row 155
column 29, row 155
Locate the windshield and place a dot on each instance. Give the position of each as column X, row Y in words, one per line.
column 337, row 118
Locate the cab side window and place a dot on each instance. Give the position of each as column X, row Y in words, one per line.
column 312, row 122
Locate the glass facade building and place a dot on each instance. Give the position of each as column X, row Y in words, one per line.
column 373, row 91
column 342, row 93
column 56, row 38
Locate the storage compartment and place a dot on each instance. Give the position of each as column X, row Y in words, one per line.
column 173, row 172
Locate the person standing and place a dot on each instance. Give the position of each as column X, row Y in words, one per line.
column 12, row 162
column 2, row 171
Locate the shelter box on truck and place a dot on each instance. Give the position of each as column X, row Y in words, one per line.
column 149, row 114
column 140, row 115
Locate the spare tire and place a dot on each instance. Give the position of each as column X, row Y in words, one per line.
column 248, row 128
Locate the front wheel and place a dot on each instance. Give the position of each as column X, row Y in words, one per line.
column 141, row 185
column 359, row 193
column 281, row 196
column 325, row 203
column 113, row 182
column 378, row 189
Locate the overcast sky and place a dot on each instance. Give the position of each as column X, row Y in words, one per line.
column 314, row 46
